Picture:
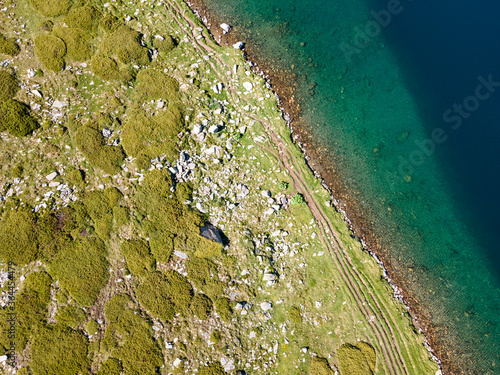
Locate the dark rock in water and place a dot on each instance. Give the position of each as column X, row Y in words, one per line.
column 211, row 232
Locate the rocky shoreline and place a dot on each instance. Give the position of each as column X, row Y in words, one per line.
column 284, row 84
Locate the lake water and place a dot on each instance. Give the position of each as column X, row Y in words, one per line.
column 405, row 97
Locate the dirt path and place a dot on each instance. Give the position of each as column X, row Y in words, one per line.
column 380, row 319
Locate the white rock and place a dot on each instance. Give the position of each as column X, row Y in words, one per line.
column 197, row 129
column 200, row 208
column 36, row 93
column 318, row 304
column 51, row 176
column 3, row 358
column 54, row 184
column 160, row 104
column 238, row 45
column 180, row 254
column 169, row 345
column 177, row 362
column 252, row 335
column 225, row 27
column 269, row 277
column 269, row 211
column 266, row 306
column 213, row 129
column 266, row 193
column 248, row 86
column 58, row 104
column 304, row 350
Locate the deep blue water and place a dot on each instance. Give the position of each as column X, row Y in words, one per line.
column 402, row 116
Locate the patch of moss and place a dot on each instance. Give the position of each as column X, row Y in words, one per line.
column 70, row 316
column 150, row 136
column 121, row 215
column 319, row 366
column 82, row 269
column 297, row 199
column 112, row 366
column 138, row 257
column 294, row 315
column 8, row 86
column 84, row 18
column 92, row 327
column 31, row 306
column 165, row 294
column 77, row 43
column 184, row 191
column 109, row 23
column 352, row 361
column 15, row 117
column 8, row 46
column 153, row 84
column 164, row 45
column 162, row 246
column 75, row 177
column 129, row 338
column 107, row 69
column 369, row 353
column 18, row 242
column 51, row 232
column 91, row 143
column 50, row 50
column 214, row 368
column 201, row 306
column 124, row 44
column 50, row 8
column 223, row 308
column 99, row 205
column 59, row 351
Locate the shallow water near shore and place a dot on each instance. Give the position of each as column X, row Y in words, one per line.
column 378, row 84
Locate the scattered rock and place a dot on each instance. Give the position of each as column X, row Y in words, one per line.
column 180, row 254
column 197, row 129
column 266, row 306
column 269, row 277
column 200, row 208
column 266, row 193
column 225, row 27
column 213, row 129
column 51, row 176
column 58, row 104
column 248, row 86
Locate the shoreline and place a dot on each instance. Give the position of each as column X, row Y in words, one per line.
column 283, row 85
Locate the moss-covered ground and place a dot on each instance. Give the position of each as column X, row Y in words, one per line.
column 129, row 131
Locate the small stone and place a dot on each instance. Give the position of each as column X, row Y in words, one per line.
column 225, row 27
column 266, row 193
column 3, row 358
column 36, row 93
column 177, row 362
column 180, row 254
column 54, row 184
column 51, row 176
column 160, row 104
column 248, row 86
column 318, row 304
column 269, row 211
column 197, row 129
column 58, row 104
column 200, row 208
column 266, row 306
column 213, row 129
column 304, row 350
column 238, row 45
column 169, row 345
column 269, row 277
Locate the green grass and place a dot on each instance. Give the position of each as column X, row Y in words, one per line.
column 124, row 44
column 85, row 18
column 201, row 306
column 18, row 241
column 319, row 366
column 213, row 368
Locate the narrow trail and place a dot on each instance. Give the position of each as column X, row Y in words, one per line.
column 359, row 288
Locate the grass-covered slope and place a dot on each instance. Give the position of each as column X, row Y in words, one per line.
column 159, row 217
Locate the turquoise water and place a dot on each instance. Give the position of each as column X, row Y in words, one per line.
column 385, row 78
